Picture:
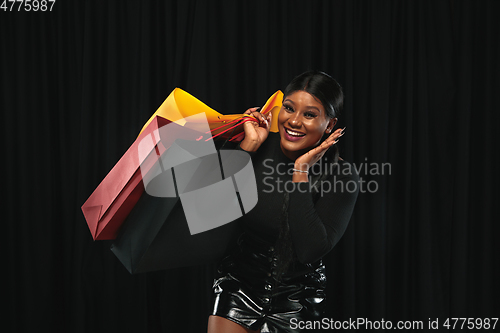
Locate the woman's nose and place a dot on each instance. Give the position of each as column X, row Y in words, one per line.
column 294, row 120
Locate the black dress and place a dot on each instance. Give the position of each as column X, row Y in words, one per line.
column 249, row 289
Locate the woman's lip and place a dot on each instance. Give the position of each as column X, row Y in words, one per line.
column 291, row 130
column 288, row 137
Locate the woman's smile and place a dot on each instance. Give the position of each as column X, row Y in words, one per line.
column 292, row 135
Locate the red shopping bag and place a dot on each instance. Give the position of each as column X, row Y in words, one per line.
column 111, row 202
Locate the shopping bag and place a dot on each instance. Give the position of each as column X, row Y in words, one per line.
column 111, row 202
column 195, row 227
column 155, row 236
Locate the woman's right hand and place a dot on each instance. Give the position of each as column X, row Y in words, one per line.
column 256, row 132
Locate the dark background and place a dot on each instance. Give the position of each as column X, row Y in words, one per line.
column 421, row 80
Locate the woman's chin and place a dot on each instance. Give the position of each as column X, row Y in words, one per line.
column 293, row 147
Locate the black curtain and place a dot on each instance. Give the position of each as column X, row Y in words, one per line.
column 420, row 79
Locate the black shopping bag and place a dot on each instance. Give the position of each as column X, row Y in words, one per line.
column 155, row 236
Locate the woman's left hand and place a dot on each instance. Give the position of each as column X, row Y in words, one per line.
column 307, row 160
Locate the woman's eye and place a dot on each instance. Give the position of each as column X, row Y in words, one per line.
column 288, row 108
column 310, row 114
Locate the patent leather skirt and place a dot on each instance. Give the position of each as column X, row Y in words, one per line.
column 249, row 292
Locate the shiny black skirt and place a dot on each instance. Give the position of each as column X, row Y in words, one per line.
column 249, row 292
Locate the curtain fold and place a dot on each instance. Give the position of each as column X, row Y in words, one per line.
column 420, row 80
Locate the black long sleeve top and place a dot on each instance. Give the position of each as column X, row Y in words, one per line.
column 317, row 219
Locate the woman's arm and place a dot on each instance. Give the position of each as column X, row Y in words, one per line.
column 316, row 228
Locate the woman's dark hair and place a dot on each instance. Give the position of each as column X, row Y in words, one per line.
column 323, row 87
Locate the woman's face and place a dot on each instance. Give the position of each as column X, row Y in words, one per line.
column 302, row 121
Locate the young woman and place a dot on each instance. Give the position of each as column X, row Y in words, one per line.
column 275, row 277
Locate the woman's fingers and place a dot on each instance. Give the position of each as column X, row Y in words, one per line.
column 335, row 135
column 315, row 154
column 338, row 133
column 330, row 141
column 269, row 117
column 258, row 125
column 263, row 120
column 250, row 110
column 260, row 118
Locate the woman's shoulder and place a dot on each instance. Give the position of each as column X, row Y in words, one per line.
column 343, row 169
column 345, row 164
column 348, row 168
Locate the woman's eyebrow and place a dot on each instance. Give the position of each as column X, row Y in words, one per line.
column 309, row 106
column 313, row 107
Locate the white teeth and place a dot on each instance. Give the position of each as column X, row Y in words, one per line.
column 293, row 133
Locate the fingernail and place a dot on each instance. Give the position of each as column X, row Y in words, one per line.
column 343, row 130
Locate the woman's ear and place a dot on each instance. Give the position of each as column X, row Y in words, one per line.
column 331, row 125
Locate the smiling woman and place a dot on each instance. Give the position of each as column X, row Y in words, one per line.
column 304, row 118
column 276, row 273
